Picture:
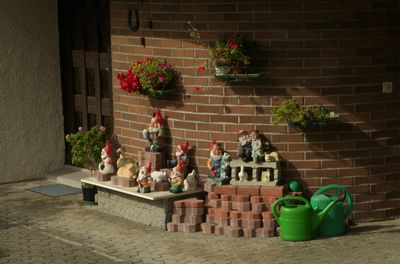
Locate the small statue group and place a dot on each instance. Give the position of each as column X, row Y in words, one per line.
column 218, row 165
column 252, row 146
column 155, row 132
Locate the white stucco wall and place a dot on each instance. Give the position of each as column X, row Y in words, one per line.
column 31, row 118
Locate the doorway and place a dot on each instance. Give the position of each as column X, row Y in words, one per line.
column 85, row 57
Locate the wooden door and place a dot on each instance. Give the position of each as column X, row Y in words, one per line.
column 85, row 54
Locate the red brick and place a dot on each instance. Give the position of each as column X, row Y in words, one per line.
column 208, row 187
column 208, row 228
column 190, row 228
column 265, row 232
column 267, row 215
column 216, row 203
column 189, row 211
column 221, row 213
column 235, row 222
column 269, row 223
column 247, row 190
column 194, row 203
column 243, row 198
column 234, row 198
column 235, row 214
column 233, row 232
column 225, row 189
column 244, row 207
column 272, row 191
column 179, row 204
column 225, row 197
column 222, row 221
column 226, row 205
column 257, row 199
column 249, row 232
column 219, row 230
column 172, row 227
column 160, row 186
column 259, row 207
column 211, row 211
column 189, row 219
column 251, row 223
column 235, row 205
column 212, row 195
column 250, row 215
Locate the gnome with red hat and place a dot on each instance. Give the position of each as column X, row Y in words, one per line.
column 106, row 166
column 177, row 178
column 154, row 132
column 144, row 178
column 180, row 154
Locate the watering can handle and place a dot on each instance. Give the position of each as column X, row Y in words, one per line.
column 287, row 198
column 342, row 189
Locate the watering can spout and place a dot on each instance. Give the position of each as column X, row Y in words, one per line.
column 318, row 217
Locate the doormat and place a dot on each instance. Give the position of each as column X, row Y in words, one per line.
column 55, row 190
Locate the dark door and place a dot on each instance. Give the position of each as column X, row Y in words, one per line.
column 85, row 54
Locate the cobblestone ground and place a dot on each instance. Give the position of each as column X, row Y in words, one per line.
column 38, row 229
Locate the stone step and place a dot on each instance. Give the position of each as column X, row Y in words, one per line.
column 68, row 175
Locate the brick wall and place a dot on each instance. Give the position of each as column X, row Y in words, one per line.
column 335, row 53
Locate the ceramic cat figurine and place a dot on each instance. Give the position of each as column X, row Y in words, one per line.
column 266, row 176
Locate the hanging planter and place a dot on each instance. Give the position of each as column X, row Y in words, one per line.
column 152, row 77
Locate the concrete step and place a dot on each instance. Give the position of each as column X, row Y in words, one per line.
column 68, row 175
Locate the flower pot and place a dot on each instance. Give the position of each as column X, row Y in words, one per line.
column 222, row 70
column 89, row 193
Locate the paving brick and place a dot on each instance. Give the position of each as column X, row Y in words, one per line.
column 189, row 211
column 160, row 186
column 269, row 223
column 208, row 187
column 265, row 232
column 243, row 198
column 226, row 205
column 216, row 203
column 212, row 195
column 189, row 219
column 235, row 214
column 190, row 228
column 267, row 215
column 221, row 213
column 235, row 222
column 233, row 232
column 114, row 180
column 272, row 191
column 208, row 228
column 222, row 221
column 225, row 197
column 211, row 211
column 244, row 207
column 249, row 232
column 256, row 199
column 103, row 177
column 252, row 223
column 219, row 230
column 259, row 207
column 210, row 219
column 235, row 205
column 248, row 190
column 225, row 189
column 251, row 215
column 172, row 227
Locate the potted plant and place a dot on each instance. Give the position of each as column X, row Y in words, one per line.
column 302, row 116
column 232, row 54
column 86, row 151
column 148, row 77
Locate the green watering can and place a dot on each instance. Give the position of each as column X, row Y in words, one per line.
column 299, row 222
column 334, row 222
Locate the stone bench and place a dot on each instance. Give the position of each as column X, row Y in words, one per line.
column 153, row 209
column 256, row 170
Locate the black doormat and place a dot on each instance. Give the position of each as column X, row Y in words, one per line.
column 55, row 190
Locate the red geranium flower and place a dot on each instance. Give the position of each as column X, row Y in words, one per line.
column 197, row 89
column 233, row 45
column 200, row 69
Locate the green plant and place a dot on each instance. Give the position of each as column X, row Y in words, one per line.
column 297, row 115
column 86, row 146
column 147, row 76
column 233, row 50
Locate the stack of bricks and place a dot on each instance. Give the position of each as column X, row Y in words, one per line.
column 157, row 159
column 187, row 217
column 237, row 211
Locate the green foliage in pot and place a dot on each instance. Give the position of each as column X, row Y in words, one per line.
column 86, row 146
column 297, row 115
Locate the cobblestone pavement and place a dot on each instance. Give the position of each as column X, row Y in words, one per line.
column 38, row 229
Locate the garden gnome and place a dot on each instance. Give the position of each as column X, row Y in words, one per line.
column 244, row 146
column 177, row 178
column 154, row 132
column 257, row 146
column 106, row 166
column 180, row 154
column 214, row 163
column 144, row 178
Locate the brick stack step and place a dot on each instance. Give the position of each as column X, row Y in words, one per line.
column 237, row 211
column 188, row 215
